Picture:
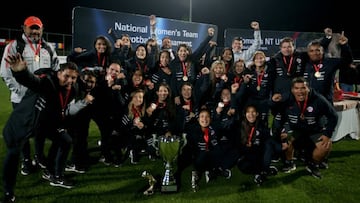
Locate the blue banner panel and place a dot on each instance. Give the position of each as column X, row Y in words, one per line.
column 270, row 38
column 89, row 23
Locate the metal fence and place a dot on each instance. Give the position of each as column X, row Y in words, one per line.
column 61, row 42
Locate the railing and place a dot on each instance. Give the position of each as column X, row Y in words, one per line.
column 61, row 42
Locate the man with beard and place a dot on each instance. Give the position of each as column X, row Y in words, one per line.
column 304, row 111
column 39, row 55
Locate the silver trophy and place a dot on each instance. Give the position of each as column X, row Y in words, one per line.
column 169, row 148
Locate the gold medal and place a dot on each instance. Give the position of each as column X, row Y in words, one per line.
column 317, row 74
column 302, row 117
column 185, row 78
column 37, row 58
column 258, row 88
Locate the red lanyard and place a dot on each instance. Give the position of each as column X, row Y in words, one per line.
column 37, row 50
column 63, row 102
column 302, row 108
column 251, row 134
column 290, row 63
column 227, row 67
column 135, row 112
column 259, row 78
column 317, row 66
column 206, row 138
column 184, row 68
column 237, row 79
column 102, row 63
column 189, row 103
column 139, row 67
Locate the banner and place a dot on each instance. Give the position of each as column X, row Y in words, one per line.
column 270, row 39
column 88, row 23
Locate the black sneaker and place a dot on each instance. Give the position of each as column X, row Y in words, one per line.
column 74, row 168
column 61, row 182
column 272, row 171
column 289, row 166
column 313, row 170
column 323, row 165
column 226, row 173
column 39, row 163
column 26, row 167
column 8, row 198
column 46, row 175
column 258, row 179
column 105, row 161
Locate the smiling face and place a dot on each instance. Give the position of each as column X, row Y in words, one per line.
column 186, row 92
column 138, row 99
column 204, row 119
column 100, row 45
column 163, row 93
column 33, row 32
column 300, row 91
column 225, row 95
column 67, row 78
column 182, row 52
column 251, row 114
column 140, row 52
column 137, row 78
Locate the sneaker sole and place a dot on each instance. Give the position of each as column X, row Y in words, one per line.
column 74, row 170
column 48, row 178
column 24, row 173
column 61, row 185
column 290, row 170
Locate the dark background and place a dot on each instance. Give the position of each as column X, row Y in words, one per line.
column 303, row 15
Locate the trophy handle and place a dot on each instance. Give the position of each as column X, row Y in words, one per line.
column 155, row 142
column 184, row 141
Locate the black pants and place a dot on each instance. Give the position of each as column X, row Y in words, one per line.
column 11, row 166
column 58, row 152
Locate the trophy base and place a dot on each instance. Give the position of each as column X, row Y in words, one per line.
column 169, row 188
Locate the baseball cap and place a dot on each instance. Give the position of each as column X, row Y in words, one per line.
column 33, row 20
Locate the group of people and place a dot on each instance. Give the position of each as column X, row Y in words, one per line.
column 223, row 104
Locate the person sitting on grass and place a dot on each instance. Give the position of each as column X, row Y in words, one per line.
column 252, row 142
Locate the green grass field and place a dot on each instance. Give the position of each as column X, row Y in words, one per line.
column 340, row 183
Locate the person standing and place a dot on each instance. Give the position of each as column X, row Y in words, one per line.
column 50, row 110
column 238, row 43
column 39, row 56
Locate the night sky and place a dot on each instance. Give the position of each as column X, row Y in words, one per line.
column 304, row 15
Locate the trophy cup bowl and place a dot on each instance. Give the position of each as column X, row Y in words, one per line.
column 169, row 148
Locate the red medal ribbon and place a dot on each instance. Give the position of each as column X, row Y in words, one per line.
column 139, row 67
column 290, row 63
column 63, row 102
column 302, row 108
column 184, row 68
column 37, row 50
column 259, row 78
column 189, row 103
column 102, row 63
column 317, row 66
column 135, row 112
column 251, row 135
column 206, row 138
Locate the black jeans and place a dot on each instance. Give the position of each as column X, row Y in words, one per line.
column 59, row 151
